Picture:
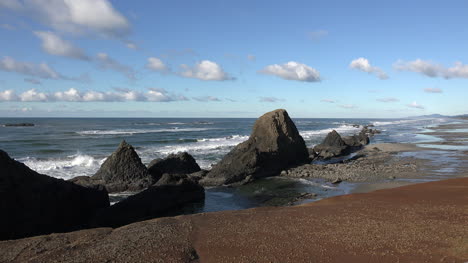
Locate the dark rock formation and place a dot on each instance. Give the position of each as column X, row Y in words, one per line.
column 122, row 171
column 180, row 163
column 357, row 140
column 23, row 124
column 156, row 201
column 35, row 204
column 332, row 146
column 274, row 145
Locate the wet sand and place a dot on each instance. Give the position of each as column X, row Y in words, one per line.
column 417, row 223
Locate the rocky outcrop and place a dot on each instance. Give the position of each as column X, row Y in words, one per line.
column 122, row 171
column 274, row 144
column 357, row 140
column 332, row 146
column 165, row 198
column 35, row 204
column 180, row 163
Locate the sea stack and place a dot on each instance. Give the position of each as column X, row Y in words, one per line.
column 274, row 145
column 36, row 204
column 180, row 163
column 123, row 171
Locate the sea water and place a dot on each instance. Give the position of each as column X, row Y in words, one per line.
column 69, row 147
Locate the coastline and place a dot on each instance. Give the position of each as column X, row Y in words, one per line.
column 424, row 222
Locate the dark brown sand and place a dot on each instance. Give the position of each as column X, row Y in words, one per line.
column 418, row 223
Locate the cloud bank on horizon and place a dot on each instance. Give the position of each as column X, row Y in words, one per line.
column 79, row 51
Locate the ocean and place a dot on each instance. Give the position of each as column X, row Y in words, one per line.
column 69, row 147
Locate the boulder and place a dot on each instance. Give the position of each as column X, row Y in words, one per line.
column 332, row 146
column 180, row 163
column 123, row 171
column 274, row 145
column 36, row 204
column 357, row 140
column 167, row 199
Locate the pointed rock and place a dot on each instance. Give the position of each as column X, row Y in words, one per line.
column 275, row 144
column 123, row 171
column 332, row 146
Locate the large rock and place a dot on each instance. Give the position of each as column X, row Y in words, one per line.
column 35, row 204
column 180, row 163
column 122, row 171
column 357, row 140
column 166, row 199
column 332, row 146
column 274, row 145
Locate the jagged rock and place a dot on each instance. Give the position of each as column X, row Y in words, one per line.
column 36, row 204
column 332, row 146
column 275, row 144
column 123, row 171
column 357, row 140
column 180, row 163
column 156, row 201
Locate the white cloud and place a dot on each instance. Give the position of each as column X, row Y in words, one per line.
column 41, row 70
column 156, row 64
column 293, row 71
column 328, row 100
column 33, row 95
column 388, row 99
column 431, row 69
column 54, row 45
column 348, row 106
column 432, row 90
column 205, row 70
column 363, row 64
column 206, row 98
column 97, row 17
column 73, row 95
column 414, row 104
column 131, row 45
column 106, row 62
column 317, row 35
column 8, row 95
column 270, row 99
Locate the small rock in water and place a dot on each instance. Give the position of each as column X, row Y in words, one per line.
column 337, row 181
column 284, row 173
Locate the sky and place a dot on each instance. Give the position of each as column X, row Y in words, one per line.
column 316, row 59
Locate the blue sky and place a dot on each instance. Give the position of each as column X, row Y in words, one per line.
column 95, row 58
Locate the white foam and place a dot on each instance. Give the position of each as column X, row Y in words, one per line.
column 139, row 131
column 343, row 130
column 66, row 168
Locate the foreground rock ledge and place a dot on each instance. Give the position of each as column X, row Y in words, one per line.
column 274, row 144
column 416, row 223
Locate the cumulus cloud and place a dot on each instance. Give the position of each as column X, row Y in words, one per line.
column 348, row 106
column 431, row 69
column 205, row 70
column 388, row 99
column 328, row 100
column 96, row 17
column 37, row 70
column 33, row 81
column 293, row 71
column 317, row 35
column 54, row 45
column 270, row 99
column 156, row 64
column 432, row 90
column 363, row 64
column 414, row 104
column 105, row 62
column 73, row 95
column 206, row 98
